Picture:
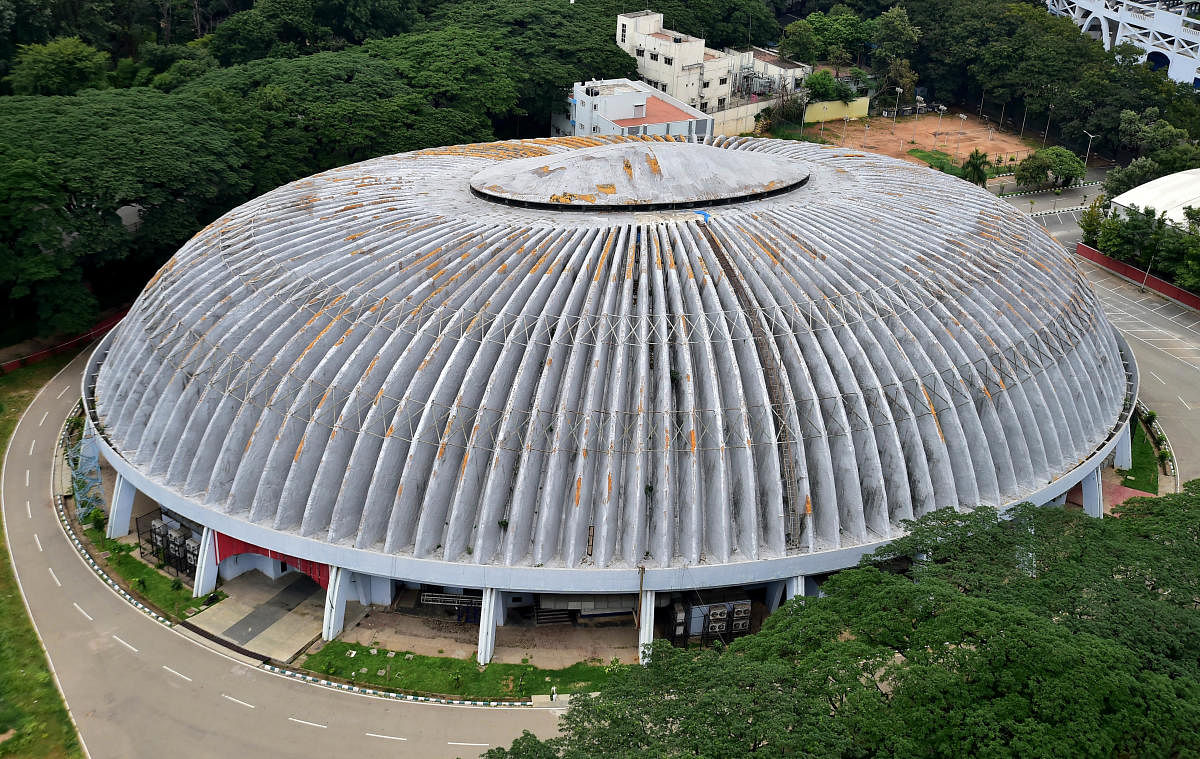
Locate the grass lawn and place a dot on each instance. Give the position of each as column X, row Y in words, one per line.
column 945, row 162
column 446, row 676
column 1144, row 474
column 143, row 579
column 29, row 702
column 794, row 132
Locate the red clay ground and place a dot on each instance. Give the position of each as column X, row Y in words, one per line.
column 952, row 135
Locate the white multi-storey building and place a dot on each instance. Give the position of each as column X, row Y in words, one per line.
column 1168, row 31
column 622, row 106
column 711, row 80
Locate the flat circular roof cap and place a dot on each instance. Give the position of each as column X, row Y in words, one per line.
column 640, row 174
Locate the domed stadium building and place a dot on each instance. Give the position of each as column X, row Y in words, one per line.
column 604, row 375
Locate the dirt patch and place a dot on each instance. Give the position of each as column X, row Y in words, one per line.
column 7, row 734
column 949, row 134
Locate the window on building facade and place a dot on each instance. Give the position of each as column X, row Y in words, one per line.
column 669, row 61
column 723, row 81
column 662, row 87
column 704, row 85
column 704, row 105
column 720, row 104
column 654, row 56
column 640, row 53
column 622, row 33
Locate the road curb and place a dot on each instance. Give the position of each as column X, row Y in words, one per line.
column 1042, row 192
column 385, row 693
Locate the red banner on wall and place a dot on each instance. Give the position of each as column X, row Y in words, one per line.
column 1162, row 287
column 227, row 546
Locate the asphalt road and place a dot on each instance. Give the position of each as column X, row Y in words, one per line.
column 138, row 689
column 1165, row 338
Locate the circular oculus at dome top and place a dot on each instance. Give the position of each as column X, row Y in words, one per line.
column 640, row 175
column 377, row 363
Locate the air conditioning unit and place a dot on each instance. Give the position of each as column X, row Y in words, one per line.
column 741, row 609
column 716, row 627
column 718, row 612
column 741, row 625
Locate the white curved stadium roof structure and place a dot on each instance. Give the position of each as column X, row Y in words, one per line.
column 583, row 354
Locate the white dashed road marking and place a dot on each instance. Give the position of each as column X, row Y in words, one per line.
column 28, row 511
column 237, row 701
column 452, row 743
column 37, row 540
column 386, row 737
column 1185, row 403
column 177, row 674
column 123, row 643
column 62, row 392
column 81, row 611
column 43, row 421
column 32, row 443
column 26, row 478
column 54, row 576
column 306, row 722
column 1155, row 376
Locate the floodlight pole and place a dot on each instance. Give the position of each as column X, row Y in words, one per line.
column 962, row 117
column 845, row 124
column 917, row 116
column 897, row 111
column 1046, row 136
column 941, row 113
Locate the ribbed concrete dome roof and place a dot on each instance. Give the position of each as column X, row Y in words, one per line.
column 379, row 356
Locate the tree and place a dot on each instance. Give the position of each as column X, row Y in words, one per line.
column 974, row 168
column 895, row 37
column 1065, row 166
column 1033, row 171
column 1138, row 172
column 822, row 86
column 61, row 67
column 1043, row 633
column 800, row 42
column 842, row 28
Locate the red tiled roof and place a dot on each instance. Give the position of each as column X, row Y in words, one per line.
column 658, row 111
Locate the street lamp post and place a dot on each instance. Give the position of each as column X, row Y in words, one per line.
column 962, row 118
column 1046, row 136
column 1146, row 278
column 802, row 93
column 941, row 113
column 897, row 112
column 845, row 124
column 1088, row 154
column 917, row 116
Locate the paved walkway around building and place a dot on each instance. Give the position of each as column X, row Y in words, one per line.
column 548, row 647
column 275, row 618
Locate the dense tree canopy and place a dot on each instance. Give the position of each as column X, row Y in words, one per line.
column 1049, row 634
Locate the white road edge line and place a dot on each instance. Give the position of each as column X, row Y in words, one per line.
column 17, row 574
column 43, row 421
column 1185, row 403
column 1155, row 376
column 236, row 700
column 177, row 674
column 306, row 722
column 54, row 576
column 37, row 540
column 453, row 743
column 123, row 643
column 386, row 737
column 81, row 611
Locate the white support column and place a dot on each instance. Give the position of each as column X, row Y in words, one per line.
column 120, row 509
column 1058, row 500
column 206, row 565
column 645, row 625
column 775, row 596
column 1123, row 458
column 335, row 603
column 1093, row 494
column 501, row 609
column 487, row 626
column 800, row 585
